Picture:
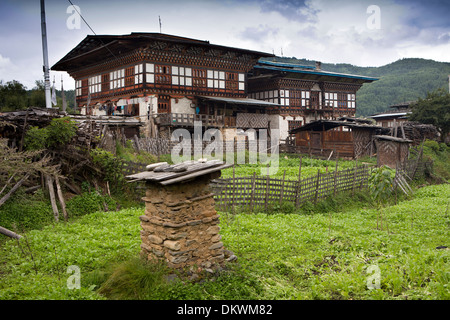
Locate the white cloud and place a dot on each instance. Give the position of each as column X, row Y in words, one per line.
column 329, row 31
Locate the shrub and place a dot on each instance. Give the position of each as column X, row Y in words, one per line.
column 59, row 132
column 89, row 202
column 110, row 166
column 433, row 145
column 36, row 138
column 25, row 212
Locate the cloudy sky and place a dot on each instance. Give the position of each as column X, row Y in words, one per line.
column 363, row 33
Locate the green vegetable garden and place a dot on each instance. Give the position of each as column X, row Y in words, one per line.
column 351, row 246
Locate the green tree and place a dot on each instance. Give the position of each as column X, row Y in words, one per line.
column 13, row 96
column 435, row 110
column 37, row 95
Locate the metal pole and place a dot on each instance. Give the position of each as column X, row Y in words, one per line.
column 48, row 102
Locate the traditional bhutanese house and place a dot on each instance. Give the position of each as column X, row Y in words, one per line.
column 173, row 80
column 391, row 150
column 346, row 138
column 397, row 116
column 305, row 93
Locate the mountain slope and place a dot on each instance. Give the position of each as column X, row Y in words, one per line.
column 400, row 81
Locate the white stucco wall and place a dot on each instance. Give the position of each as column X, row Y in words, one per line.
column 183, row 105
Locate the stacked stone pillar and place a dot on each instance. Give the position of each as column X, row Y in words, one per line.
column 181, row 225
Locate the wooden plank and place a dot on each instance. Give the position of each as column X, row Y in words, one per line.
column 253, row 192
column 282, row 188
column 51, row 190
column 298, row 189
column 179, row 178
column 317, row 187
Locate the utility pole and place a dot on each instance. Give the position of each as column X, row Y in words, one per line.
column 48, row 101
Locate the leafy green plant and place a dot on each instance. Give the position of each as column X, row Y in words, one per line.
column 59, row 132
column 381, row 186
column 110, row 165
column 36, row 138
column 280, row 256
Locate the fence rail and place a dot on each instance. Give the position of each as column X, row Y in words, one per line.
column 261, row 191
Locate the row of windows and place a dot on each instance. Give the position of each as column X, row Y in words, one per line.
column 303, row 98
column 341, row 100
column 163, row 74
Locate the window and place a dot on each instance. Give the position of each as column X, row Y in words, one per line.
column 305, row 99
column 215, row 79
column 117, row 79
column 78, row 88
column 139, row 73
column 331, row 99
column 163, row 74
column 94, row 84
column 164, row 104
column 270, row 96
column 351, row 98
column 181, row 76
column 105, row 82
column 292, row 124
column 150, row 73
column 284, row 97
column 199, row 78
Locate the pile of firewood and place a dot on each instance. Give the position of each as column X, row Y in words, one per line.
column 415, row 131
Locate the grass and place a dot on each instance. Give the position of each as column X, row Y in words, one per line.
column 323, row 253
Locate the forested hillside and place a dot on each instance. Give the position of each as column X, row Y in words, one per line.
column 400, row 81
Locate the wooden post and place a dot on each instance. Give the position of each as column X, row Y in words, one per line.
column 354, row 177
column 297, row 193
column 13, row 189
column 61, row 198
column 51, row 190
column 252, row 199
column 9, row 233
column 317, row 186
column 282, row 188
column 335, row 176
column 267, row 187
column 234, row 189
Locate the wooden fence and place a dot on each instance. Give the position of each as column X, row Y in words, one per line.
column 261, row 191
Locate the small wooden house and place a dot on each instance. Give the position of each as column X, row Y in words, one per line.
column 391, row 150
column 346, row 138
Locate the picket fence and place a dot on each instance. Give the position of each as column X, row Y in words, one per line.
column 261, row 191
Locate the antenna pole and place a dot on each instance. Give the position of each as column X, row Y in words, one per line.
column 48, row 101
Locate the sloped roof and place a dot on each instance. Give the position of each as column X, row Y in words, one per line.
column 290, row 68
column 95, row 47
column 324, row 125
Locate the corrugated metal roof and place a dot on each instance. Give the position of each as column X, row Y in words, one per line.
column 285, row 64
column 315, row 72
column 399, row 114
column 241, row 101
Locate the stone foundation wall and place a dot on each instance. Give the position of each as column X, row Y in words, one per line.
column 180, row 224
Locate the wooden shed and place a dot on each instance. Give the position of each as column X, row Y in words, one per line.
column 348, row 138
column 391, row 150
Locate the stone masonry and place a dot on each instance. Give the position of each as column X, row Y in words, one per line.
column 181, row 225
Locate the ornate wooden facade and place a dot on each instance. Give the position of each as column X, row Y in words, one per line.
column 122, row 73
column 305, row 93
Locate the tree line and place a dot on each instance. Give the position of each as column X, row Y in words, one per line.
column 15, row 96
